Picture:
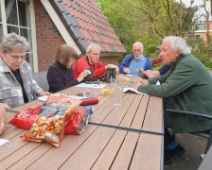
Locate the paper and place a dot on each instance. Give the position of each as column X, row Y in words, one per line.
column 158, row 83
column 42, row 98
column 98, row 86
column 130, row 89
column 3, row 141
column 77, row 97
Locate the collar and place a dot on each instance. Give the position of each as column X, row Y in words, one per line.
column 177, row 60
column 61, row 66
column 3, row 67
column 87, row 59
column 141, row 58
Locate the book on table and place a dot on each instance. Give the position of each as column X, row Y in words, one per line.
column 130, row 89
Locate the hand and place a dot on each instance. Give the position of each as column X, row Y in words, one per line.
column 83, row 75
column 3, row 108
column 126, row 70
column 113, row 66
column 43, row 93
column 149, row 73
column 140, row 82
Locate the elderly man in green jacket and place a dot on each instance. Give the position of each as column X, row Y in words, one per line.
column 187, row 86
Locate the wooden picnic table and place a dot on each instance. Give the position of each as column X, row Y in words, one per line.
column 98, row 147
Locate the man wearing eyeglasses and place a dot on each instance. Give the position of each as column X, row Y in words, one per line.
column 91, row 61
column 133, row 62
column 16, row 84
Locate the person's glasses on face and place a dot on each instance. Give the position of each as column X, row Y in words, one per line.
column 95, row 54
column 137, row 50
column 15, row 57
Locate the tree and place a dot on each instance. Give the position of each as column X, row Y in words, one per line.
column 149, row 21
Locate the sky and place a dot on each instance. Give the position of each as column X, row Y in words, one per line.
column 198, row 3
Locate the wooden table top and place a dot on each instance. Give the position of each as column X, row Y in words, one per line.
column 97, row 147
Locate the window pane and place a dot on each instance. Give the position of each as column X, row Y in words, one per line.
column 27, row 34
column 0, row 12
column 29, row 59
column 1, row 30
column 12, row 29
column 11, row 12
column 24, row 14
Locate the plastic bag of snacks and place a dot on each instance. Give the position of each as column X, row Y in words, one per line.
column 49, row 123
column 78, row 122
column 25, row 118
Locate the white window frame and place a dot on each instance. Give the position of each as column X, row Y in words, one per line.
column 33, row 30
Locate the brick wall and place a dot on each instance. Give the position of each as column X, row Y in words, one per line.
column 48, row 37
column 109, row 60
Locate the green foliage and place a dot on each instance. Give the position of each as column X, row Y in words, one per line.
column 149, row 21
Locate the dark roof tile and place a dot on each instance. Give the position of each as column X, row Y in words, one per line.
column 86, row 24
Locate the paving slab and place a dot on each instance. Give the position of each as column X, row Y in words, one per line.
column 190, row 160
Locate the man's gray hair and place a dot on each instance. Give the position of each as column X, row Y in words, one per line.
column 13, row 42
column 178, row 44
column 138, row 43
column 91, row 47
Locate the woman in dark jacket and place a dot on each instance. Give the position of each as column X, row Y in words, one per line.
column 60, row 75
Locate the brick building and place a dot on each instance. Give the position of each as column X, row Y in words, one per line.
column 49, row 23
column 202, row 30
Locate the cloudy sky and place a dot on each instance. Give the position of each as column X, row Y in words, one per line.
column 196, row 2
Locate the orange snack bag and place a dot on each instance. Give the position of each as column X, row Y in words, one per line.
column 49, row 123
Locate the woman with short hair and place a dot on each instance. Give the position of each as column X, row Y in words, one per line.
column 16, row 84
column 60, row 75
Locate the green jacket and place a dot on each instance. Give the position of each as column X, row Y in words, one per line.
column 189, row 86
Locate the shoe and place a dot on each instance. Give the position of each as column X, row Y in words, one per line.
column 171, row 154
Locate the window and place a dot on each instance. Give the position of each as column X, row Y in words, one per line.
column 15, row 17
column 197, row 36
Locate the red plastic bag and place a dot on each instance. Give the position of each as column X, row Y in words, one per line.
column 49, row 123
column 24, row 119
column 78, row 122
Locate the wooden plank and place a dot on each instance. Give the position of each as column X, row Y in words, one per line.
column 58, row 156
column 131, row 111
column 154, row 115
column 12, row 132
column 123, row 159
column 88, row 152
column 12, row 146
column 34, row 154
column 106, row 158
column 16, row 156
column 141, row 112
column 148, row 153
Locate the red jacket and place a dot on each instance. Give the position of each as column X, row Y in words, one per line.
column 83, row 64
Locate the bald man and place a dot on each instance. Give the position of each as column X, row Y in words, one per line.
column 132, row 62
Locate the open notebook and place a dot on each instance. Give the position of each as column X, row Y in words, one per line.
column 130, row 89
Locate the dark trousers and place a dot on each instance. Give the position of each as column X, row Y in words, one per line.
column 168, row 137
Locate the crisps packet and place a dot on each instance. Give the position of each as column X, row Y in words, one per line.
column 78, row 122
column 25, row 118
column 49, row 123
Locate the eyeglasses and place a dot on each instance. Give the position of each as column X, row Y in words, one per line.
column 15, row 57
column 96, row 54
column 139, row 50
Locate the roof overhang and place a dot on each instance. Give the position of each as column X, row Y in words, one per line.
column 60, row 26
